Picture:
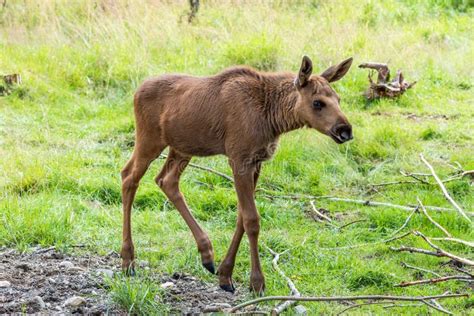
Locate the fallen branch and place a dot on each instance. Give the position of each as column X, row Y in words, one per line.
column 437, row 306
column 345, row 298
column 351, row 223
column 321, row 215
column 436, row 280
column 362, row 304
column 406, row 265
column 220, row 174
column 460, row 241
column 416, row 250
column 369, row 243
column 443, row 188
column 277, row 310
column 432, row 220
column 391, row 238
column 403, row 305
column 443, row 252
column 272, row 194
column 462, row 271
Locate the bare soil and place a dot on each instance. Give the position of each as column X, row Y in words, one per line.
column 44, row 279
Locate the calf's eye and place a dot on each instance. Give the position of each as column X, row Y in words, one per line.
column 318, row 105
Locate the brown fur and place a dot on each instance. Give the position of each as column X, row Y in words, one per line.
column 239, row 113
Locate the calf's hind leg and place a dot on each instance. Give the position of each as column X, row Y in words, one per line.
column 168, row 181
column 131, row 175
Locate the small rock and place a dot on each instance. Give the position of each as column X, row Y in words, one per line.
column 76, row 269
column 75, row 301
column 4, row 284
column 106, row 272
column 143, row 263
column 167, row 285
column 38, row 300
column 216, row 307
column 66, row 264
column 300, row 310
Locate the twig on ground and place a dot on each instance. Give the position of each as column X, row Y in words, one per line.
column 321, row 215
column 220, row 174
column 443, row 188
column 403, row 305
column 432, row 220
column 416, row 176
column 437, row 306
column 460, row 241
column 369, row 243
column 363, row 304
column 383, row 184
column 272, row 194
column 351, row 223
column 391, row 238
column 277, row 310
column 345, row 298
column 406, row 265
column 462, row 271
column 416, row 250
column 444, row 253
column 436, row 280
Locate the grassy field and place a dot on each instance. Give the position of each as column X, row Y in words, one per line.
column 67, row 131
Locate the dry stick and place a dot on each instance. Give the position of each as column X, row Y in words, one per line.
column 321, row 215
column 277, row 310
column 441, row 308
column 345, row 298
column 432, row 220
column 443, row 252
column 403, row 305
column 353, row 222
column 271, row 194
column 362, row 304
column 437, row 307
column 220, row 174
column 369, row 243
column 391, row 238
column 439, row 253
column 443, row 188
column 406, row 265
column 436, row 280
column 463, row 271
column 460, row 241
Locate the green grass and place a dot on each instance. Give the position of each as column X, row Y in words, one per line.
column 68, row 130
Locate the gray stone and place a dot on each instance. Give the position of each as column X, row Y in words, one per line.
column 167, row 285
column 76, row 269
column 75, row 301
column 300, row 310
column 106, row 272
column 38, row 300
column 66, row 264
column 4, row 284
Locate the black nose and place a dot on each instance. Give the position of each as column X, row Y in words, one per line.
column 343, row 133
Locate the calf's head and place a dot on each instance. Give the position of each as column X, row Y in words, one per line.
column 318, row 104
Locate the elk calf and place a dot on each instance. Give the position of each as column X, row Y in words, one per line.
column 239, row 113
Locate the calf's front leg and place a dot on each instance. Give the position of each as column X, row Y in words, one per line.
column 244, row 186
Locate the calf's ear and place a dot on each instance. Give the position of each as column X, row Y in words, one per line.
column 305, row 72
column 334, row 73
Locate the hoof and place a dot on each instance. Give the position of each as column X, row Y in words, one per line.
column 129, row 272
column 210, row 267
column 228, row 287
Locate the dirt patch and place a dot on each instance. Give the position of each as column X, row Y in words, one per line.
column 50, row 282
column 188, row 295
